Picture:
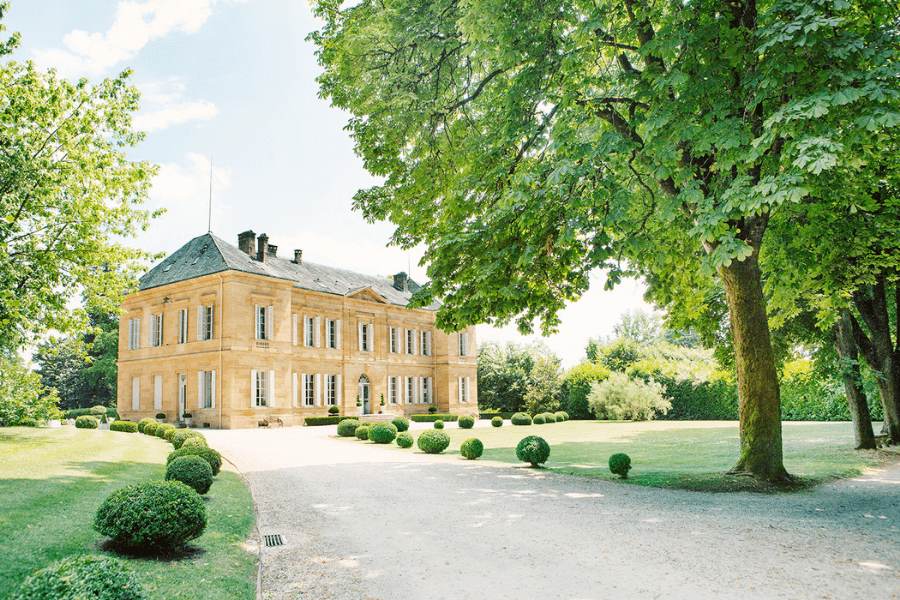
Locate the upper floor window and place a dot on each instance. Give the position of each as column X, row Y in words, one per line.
column 332, row 333
column 205, row 322
column 156, row 329
column 410, row 341
column 426, row 343
column 206, row 389
column 134, row 334
column 310, row 331
column 463, row 343
column 366, row 343
column 264, row 323
column 394, row 339
column 182, row 325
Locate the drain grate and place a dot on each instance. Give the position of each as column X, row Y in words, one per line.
column 273, row 540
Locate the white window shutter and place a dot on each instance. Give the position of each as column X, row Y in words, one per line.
column 135, row 393
column 459, row 389
column 371, row 336
column 200, row 322
column 339, row 394
column 212, row 387
column 294, row 329
column 303, row 389
column 199, row 389
column 270, row 323
column 212, row 321
column 317, row 334
column 338, row 337
column 256, row 322
column 157, row 392
column 271, row 397
column 360, row 336
column 415, row 341
column 318, row 388
column 252, row 388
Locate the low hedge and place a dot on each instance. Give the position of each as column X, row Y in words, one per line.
column 208, row 454
column 86, row 422
column 401, row 423
column 382, row 433
column 520, row 418
column 433, row 417
column 153, row 515
column 81, row 577
column 467, row 422
column 471, row 449
column 433, row 441
column 74, row 413
column 347, row 427
column 316, row 421
column 404, row 439
column 490, row 414
column 192, row 471
column 126, row 426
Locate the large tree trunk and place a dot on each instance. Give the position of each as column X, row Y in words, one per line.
column 880, row 353
column 758, row 394
column 856, row 396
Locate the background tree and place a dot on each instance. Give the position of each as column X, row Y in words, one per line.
column 525, row 145
column 639, row 326
column 23, row 399
column 506, row 373
column 68, row 194
column 544, row 386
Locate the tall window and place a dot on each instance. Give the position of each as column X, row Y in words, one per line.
column 332, row 332
column 205, row 323
column 309, row 331
column 366, row 343
column 156, row 329
column 410, row 390
column 410, row 341
column 463, row 343
column 393, row 389
column 135, row 393
column 463, row 384
column 182, row 326
column 426, row 343
column 263, row 322
column 134, row 334
column 261, row 388
column 206, row 389
column 395, row 339
column 309, row 389
column 331, row 389
column 426, row 390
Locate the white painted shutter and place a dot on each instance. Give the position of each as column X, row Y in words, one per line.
column 339, row 393
column 157, row 392
column 252, row 388
column 318, row 388
column 212, row 321
column 212, row 387
column 305, row 330
column 294, row 389
column 294, row 318
column 303, row 389
column 459, row 392
column 270, row 323
column 415, row 341
column 271, row 398
column 256, row 321
column 338, row 334
column 370, row 328
column 199, row 389
column 317, row 334
column 360, row 335
column 200, row 322
column 135, row 393
column 137, row 333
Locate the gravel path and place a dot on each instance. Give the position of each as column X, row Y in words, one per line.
column 369, row 523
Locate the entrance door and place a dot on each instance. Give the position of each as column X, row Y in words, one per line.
column 364, row 395
column 182, row 394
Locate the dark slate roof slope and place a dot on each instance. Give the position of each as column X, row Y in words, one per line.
column 209, row 254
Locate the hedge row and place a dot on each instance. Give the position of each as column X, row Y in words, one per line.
column 74, row 413
column 487, row 415
column 430, row 418
column 126, row 426
column 329, row 420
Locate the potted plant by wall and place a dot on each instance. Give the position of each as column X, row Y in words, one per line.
column 333, row 410
column 187, row 417
column 432, row 409
column 380, row 410
column 160, row 417
column 358, row 401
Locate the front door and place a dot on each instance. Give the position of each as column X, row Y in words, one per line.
column 182, row 394
column 364, row 395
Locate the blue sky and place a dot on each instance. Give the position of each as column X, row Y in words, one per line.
column 234, row 81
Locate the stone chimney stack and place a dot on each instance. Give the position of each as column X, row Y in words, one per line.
column 262, row 244
column 245, row 242
column 400, row 281
column 298, row 256
column 272, row 250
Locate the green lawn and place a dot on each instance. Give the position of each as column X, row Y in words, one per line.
column 679, row 454
column 52, row 481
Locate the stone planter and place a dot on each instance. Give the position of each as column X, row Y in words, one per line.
column 53, row 423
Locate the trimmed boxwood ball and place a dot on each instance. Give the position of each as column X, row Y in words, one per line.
column 497, row 421
column 620, row 464
column 192, row 471
column 404, row 439
column 347, row 427
column 81, row 577
column 533, row 449
column 124, row 426
column 521, row 418
column 162, row 428
column 181, row 435
column 170, row 433
column 472, row 448
column 143, row 423
column 208, row 454
column 550, row 417
column 438, row 424
column 195, row 441
column 433, row 442
column 150, row 428
column 401, row 423
column 562, row 415
column 86, row 422
column 362, row 432
column 466, row 422
column 383, row 433
column 539, row 419
column 153, row 515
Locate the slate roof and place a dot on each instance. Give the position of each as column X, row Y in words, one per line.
column 207, row 254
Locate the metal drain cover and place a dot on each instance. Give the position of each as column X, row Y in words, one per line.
column 273, row 539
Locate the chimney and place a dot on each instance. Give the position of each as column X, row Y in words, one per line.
column 272, row 250
column 298, row 256
column 400, row 280
column 262, row 243
column 245, row 242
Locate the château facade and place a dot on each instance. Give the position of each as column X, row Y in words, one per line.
column 238, row 336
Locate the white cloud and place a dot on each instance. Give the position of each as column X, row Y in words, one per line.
column 164, row 105
column 135, row 25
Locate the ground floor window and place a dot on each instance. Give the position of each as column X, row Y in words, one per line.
column 427, row 397
column 263, row 383
column 309, row 389
column 393, row 390
column 464, row 383
column 331, row 387
column 206, row 389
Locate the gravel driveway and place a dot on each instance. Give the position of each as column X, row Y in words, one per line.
column 361, row 522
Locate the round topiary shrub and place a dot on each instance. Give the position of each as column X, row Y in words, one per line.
column 497, row 421
column 533, row 449
column 439, row 424
column 80, row 577
column 192, row 471
column 550, row 417
column 472, row 448
column 539, row 419
column 561, row 415
column 404, row 439
column 208, row 454
column 347, row 427
column 521, row 418
column 164, row 428
column 362, row 432
column 195, row 441
column 86, row 422
column 401, row 423
column 125, row 426
column 466, row 422
column 150, row 428
column 383, row 433
column 180, row 435
column 170, row 433
column 333, row 410
column 143, row 423
column 620, row 464
column 154, row 515
column 433, row 442
column 98, row 411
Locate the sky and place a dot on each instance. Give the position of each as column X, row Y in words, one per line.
column 231, row 83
